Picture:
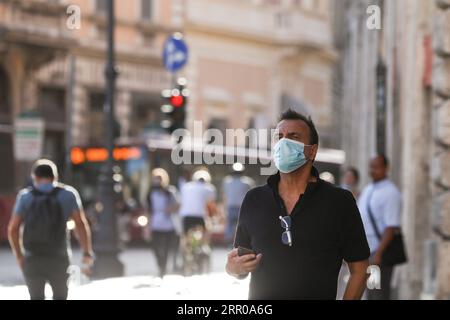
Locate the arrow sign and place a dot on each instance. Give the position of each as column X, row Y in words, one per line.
column 175, row 53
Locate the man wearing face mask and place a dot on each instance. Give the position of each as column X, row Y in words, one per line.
column 43, row 210
column 299, row 227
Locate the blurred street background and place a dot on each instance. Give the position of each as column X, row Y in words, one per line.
column 374, row 76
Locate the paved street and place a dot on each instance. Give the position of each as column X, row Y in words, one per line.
column 139, row 281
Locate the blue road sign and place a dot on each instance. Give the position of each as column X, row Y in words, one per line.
column 175, row 54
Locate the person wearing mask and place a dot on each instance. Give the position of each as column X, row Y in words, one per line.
column 43, row 211
column 162, row 203
column 294, row 232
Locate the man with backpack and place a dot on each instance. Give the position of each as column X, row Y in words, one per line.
column 42, row 249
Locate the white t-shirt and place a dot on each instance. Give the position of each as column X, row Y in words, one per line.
column 385, row 204
column 194, row 197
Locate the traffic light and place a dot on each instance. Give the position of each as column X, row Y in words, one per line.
column 174, row 107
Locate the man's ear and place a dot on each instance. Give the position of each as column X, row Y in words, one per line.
column 313, row 152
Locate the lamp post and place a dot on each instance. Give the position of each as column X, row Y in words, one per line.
column 106, row 240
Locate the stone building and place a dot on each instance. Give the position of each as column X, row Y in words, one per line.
column 248, row 60
column 394, row 99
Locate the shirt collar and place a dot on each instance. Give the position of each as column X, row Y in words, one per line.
column 380, row 183
column 273, row 181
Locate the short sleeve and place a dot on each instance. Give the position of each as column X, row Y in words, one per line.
column 354, row 241
column 19, row 205
column 392, row 208
column 242, row 237
column 73, row 201
column 211, row 193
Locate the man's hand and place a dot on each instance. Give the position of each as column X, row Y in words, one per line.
column 388, row 236
column 83, row 232
column 14, row 238
column 240, row 266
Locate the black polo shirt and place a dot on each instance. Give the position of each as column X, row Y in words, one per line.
column 326, row 229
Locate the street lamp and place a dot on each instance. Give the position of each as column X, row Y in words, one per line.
column 106, row 241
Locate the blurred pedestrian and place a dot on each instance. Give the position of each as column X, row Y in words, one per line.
column 197, row 200
column 350, row 181
column 186, row 176
column 162, row 203
column 43, row 210
column 234, row 188
column 380, row 207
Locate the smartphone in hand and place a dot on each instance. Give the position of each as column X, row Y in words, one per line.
column 244, row 251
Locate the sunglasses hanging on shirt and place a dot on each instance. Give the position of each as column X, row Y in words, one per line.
column 286, row 236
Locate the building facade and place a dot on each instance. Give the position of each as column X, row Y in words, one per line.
column 248, row 60
column 394, row 100
column 251, row 59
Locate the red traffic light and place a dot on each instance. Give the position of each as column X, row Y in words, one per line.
column 177, row 101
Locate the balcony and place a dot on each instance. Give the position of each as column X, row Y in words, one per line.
column 281, row 25
column 35, row 23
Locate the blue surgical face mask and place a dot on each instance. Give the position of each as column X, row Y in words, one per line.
column 289, row 155
column 45, row 187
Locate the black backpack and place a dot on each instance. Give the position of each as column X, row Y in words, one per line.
column 45, row 230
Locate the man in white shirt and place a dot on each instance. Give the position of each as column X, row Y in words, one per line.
column 197, row 200
column 382, row 200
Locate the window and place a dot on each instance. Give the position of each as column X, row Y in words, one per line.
column 146, row 9
column 96, row 120
column 52, row 102
column 6, row 163
column 148, row 39
column 283, row 19
column 146, row 115
column 101, row 32
column 100, row 6
column 5, row 109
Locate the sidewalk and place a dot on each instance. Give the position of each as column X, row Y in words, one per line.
column 138, row 283
column 217, row 286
